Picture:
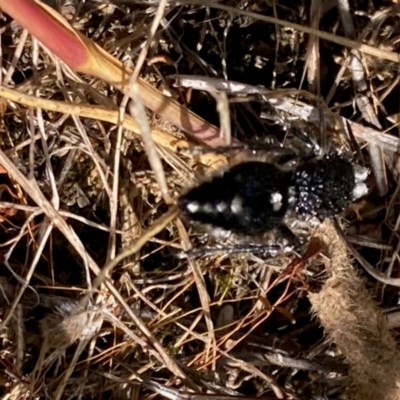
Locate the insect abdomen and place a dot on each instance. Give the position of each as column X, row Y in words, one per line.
column 250, row 198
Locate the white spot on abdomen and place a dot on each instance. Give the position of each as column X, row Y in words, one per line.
column 237, row 205
column 193, row 207
column 221, row 207
column 276, row 201
column 208, row 208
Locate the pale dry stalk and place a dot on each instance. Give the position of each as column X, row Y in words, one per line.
column 354, row 323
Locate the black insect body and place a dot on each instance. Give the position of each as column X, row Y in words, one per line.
column 324, row 187
column 250, row 198
column 253, row 198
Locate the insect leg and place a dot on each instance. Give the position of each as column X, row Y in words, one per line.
column 266, row 249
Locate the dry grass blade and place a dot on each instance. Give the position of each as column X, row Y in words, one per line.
column 92, row 154
column 379, row 276
column 312, row 60
column 157, row 227
column 311, row 114
column 83, row 55
column 380, row 53
column 25, row 282
column 162, row 137
column 34, row 192
column 362, row 100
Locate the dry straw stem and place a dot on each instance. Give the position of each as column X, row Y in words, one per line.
column 312, row 64
column 363, row 101
column 33, row 190
column 102, row 113
column 280, row 100
column 373, row 51
column 353, row 322
column 156, row 228
column 84, row 56
column 286, row 100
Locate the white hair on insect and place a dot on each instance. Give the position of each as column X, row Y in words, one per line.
column 360, row 175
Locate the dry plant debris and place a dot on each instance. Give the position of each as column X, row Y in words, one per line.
column 357, row 326
column 96, row 299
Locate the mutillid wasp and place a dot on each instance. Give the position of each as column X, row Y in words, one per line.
column 302, row 179
column 253, row 198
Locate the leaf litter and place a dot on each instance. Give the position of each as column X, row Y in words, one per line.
column 81, row 191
